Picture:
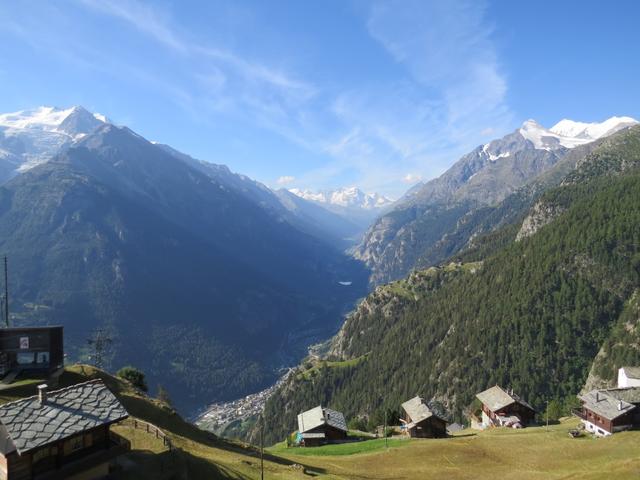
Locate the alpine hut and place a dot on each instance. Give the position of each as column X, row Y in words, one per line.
column 421, row 422
column 321, row 425
column 610, row 410
column 62, row 434
column 503, row 408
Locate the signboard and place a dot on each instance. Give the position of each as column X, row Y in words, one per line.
column 24, row 343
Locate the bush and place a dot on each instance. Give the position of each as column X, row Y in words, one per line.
column 134, row 376
column 554, row 411
column 357, row 424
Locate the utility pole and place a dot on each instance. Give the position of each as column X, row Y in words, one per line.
column 384, row 429
column 547, row 415
column 262, row 446
column 6, row 292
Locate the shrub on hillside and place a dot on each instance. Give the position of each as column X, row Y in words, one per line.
column 133, row 375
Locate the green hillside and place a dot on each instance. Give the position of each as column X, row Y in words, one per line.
column 532, row 317
column 533, row 453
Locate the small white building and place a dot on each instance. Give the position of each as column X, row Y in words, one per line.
column 628, row 377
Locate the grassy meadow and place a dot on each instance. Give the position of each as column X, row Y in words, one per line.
column 534, row 453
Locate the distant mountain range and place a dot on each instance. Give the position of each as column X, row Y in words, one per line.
column 204, row 278
column 424, row 227
column 348, row 197
column 355, row 207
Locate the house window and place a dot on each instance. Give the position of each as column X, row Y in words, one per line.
column 73, row 445
column 25, row 358
column 42, row 357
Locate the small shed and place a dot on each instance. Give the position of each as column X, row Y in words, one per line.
column 320, row 425
column 37, row 350
column 61, row 434
column 504, row 408
column 421, row 422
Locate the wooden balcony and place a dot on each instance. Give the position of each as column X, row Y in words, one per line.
column 578, row 413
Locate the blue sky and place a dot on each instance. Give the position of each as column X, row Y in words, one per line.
column 321, row 94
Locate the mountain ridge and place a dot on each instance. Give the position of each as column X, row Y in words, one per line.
column 481, row 178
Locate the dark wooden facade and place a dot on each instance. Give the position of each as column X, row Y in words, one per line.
column 628, row 420
column 32, row 349
column 432, row 427
column 331, row 434
column 84, row 456
column 525, row 414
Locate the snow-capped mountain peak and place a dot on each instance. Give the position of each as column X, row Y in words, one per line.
column 569, row 128
column 570, row 134
column 347, row 197
column 45, row 118
column 31, row 137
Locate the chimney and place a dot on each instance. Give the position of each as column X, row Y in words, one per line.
column 42, row 393
column 597, row 396
column 620, row 405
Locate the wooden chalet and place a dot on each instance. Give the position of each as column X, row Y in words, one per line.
column 503, row 408
column 62, row 434
column 319, row 426
column 35, row 350
column 607, row 411
column 421, row 422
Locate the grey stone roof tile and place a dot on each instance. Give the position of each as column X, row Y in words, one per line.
column 27, row 424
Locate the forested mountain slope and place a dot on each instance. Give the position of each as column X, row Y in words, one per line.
column 532, row 315
column 484, row 189
column 196, row 283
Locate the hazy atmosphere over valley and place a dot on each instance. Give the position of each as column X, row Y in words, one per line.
column 344, row 239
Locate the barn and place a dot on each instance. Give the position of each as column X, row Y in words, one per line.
column 319, row 426
column 504, row 408
column 421, row 422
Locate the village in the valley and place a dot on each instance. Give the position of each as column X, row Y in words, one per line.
column 217, row 417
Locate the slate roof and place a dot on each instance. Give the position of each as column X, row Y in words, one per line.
column 611, row 403
column 632, row 372
column 495, row 398
column 319, row 416
column 417, row 410
column 26, row 424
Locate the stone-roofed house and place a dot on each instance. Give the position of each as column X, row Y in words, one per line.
column 62, row 434
column 503, row 408
column 628, row 377
column 421, row 422
column 610, row 410
column 321, row 425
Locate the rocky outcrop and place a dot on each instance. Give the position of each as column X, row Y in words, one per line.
column 541, row 214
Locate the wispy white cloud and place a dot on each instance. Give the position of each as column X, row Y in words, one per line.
column 144, row 17
column 286, row 180
column 454, row 92
column 411, row 178
column 227, row 82
column 447, row 92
